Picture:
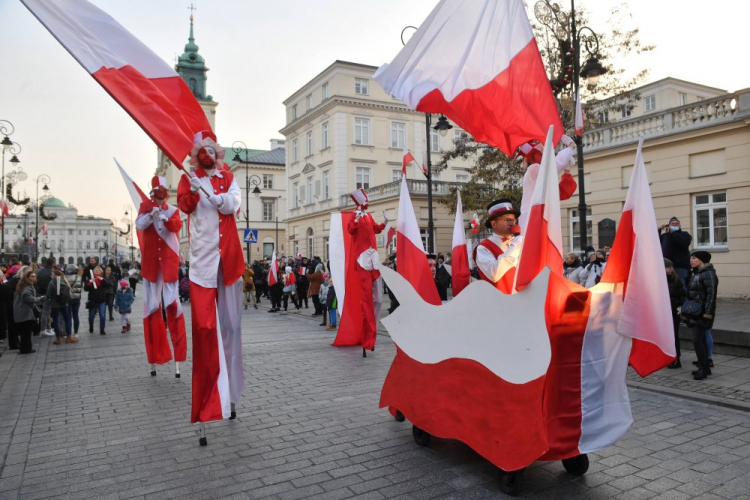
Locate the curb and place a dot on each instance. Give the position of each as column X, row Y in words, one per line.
column 692, row 396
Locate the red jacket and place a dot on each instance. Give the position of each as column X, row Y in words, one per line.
column 156, row 253
column 363, row 233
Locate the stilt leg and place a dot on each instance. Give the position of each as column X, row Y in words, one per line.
column 364, row 352
column 234, row 413
column 153, row 370
column 176, row 369
column 202, row 434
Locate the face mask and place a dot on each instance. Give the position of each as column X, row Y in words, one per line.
column 674, row 228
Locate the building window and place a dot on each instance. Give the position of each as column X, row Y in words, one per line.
column 361, row 86
column 462, row 178
column 575, row 231
column 326, row 253
column 88, row 245
column 324, row 135
column 70, row 232
column 423, row 235
column 327, row 184
column 88, row 232
column 326, row 91
column 310, row 242
column 267, row 181
column 603, row 116
column 294, row 112
column 398, row 135
column 434, row 141
column 363, row 177
column 310, row 189
column 650, row 103
column 361, row 131
column 459, row 134
column 681, row 99
column 395, row 175
column 308, row 102
column 710, row 215
column 309, row 144
column 268, row 210
column 79, row 232
column 295, row 194
column 80, row 245
column 626, row 111
column 294, row 150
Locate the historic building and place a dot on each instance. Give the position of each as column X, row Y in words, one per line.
column 264, row 169
column 70, row 238
column 343, row 132
column 697, row 154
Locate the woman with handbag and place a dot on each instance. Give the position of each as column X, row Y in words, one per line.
column 700, row 308
column 25, row 307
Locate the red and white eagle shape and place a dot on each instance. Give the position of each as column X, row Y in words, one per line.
column 503, row 383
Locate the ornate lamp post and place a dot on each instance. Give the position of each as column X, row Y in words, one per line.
column 44, row 179
column 569, row 38
column 250, row 180
column 6, row 129
column 129, row 221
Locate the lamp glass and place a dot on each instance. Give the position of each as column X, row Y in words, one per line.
column 6, row 143
column 15, row 160
column 443, row 132
column 593, row 78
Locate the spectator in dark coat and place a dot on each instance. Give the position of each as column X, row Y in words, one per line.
column 25, row 304
column 676, row 298
column 303, row 283
column 703, row 288
column 675, row 246
column 442, row 290
column 332, row 305
column 315, row 280
column 43, row 278
column 441, row 273
column 97, row 299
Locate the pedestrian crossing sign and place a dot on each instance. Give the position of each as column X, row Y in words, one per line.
column 251, row 236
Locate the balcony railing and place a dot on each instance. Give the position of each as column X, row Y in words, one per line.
column 706, row 113
column 392, row 189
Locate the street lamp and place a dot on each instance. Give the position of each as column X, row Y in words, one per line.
column 553, row 18
column 6, row 129
column 45, row 179
column 129, row 212
column 250, row 180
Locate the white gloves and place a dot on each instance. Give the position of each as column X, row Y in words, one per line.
column 385, row 216
column 195, row 184
column 358, row 214
column 155, row 212
column 215, row 200
column 163, row 218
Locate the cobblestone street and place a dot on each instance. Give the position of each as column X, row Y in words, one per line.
column 87, row 421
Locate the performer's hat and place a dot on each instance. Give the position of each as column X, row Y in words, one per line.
column 159, row 185
column 532, row 151
column 360, row 198
column 204, row 139
column 497, row 208
column 432, row 256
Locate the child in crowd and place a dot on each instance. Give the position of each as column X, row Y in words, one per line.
column 123, row 302
column 331, row 304
column 322, row 296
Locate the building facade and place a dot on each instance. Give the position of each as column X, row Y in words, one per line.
column 70, row 238
column 343, row 132
column 697, row 156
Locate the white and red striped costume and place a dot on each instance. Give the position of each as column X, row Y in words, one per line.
column 160, row 260
column 496, row 257
column 216, row 264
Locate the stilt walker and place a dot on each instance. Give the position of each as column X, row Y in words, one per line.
column 158, row 224
column 216, row 266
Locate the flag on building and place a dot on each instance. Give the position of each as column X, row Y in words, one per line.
column 4, row 206
column 408, row 158
column 542, row 229
column 149, row 90
column 44, row 229
column 460, row 272
column 579, row 116
column 477, row 62
column 635, row 259
column 412, row 259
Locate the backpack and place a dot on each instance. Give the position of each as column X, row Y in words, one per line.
column 64, row 296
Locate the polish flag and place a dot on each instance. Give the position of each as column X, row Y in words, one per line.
column 412, row 259
column 390, row 232
column 635, row 260
column 138, row 196
column 149, row 90
column 4, row 205
column 460, row 272
column 424, row 169
column 44, row 229
column 408, row 158
column 542, row 229
column 477, row 62
column 273, row 272
column 579, row 116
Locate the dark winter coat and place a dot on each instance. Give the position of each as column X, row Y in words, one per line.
column 704, row 285
column 97, row 295
column 675, row 246
column 676, row 291
column 330, row 297
column 43, row 278
column 124, row 300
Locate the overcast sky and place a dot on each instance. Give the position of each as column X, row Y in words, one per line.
column 259, row 53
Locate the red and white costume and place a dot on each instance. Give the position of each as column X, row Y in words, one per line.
column 158, row 226
column 216, row 266
column 496, row 257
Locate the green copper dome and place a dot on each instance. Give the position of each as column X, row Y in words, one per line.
column 54, row 203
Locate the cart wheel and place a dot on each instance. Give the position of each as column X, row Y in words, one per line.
column 422, row 438
column 399, row 416
column 577, row 465
column 510, row 482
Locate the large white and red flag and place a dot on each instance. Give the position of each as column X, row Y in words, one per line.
column 477, row 62
column 579, row 116
column 138, row 197
column 460, row 270
column 390, row 233
column 408, row 158
column 273, row 272
column 542, row 228
column 412, row 259
column 636, row 259
column 151, row 92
